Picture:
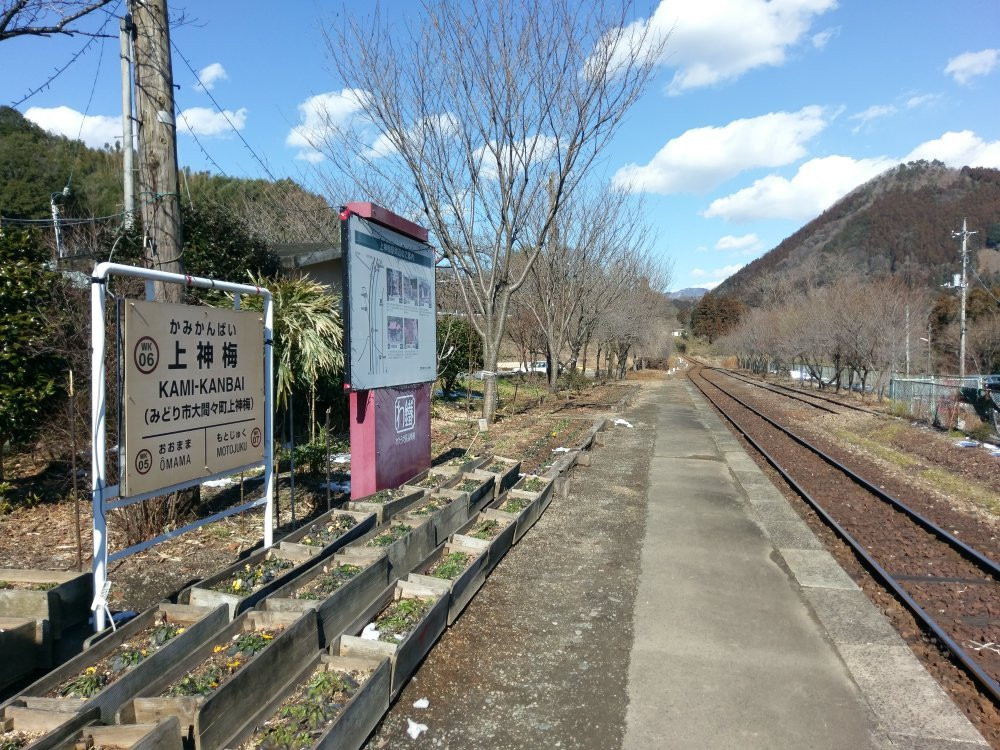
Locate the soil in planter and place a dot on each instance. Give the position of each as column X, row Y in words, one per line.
column 322, row 534
column 433, row 504
column 497, row 468
column 433, row 480
column 27, row 586
column 534, row 484
column 122, row 659
column 227, row 658
column 327, row 582
column 389, row 536
column 382, row 496
column 396, row 621
column 253, row 577
column 460, row 460
column 469, row 485
column 487, row 529
column 309, row 711
column 15, row 739
column 515, row 504
column 451, row 566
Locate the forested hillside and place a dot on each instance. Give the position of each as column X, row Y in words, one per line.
column 34, row 164
column 898, row 224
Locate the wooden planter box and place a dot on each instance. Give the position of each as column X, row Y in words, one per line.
column 506, row 478
column 303, row 557
column 448, row 475
column 343, row 606
column 408, row 653
column 544, row 495
column 464, row 586
column 358, row 718
column 561, row 466
column 403, row 554
column 383, row 511
column 463, row 464
column 200, row 624
column 63, row 605
column 24, row 647
column 498, row 546
column 483, row 493
column 50, row 726
column 524, row 519
column 211, row 719
column 445, row 520
column 163, row 735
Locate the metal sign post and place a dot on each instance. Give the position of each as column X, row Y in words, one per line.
column 192, row 405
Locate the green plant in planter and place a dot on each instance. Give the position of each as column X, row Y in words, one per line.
column 399, row 618
column 91, row 682
column 533, row 485
column 497, row 468
column 389, row 536
column 486, row 529
column 515, row 504
column 433, row 480
column 252, row 577
column 469, row 485
column 451, row 566
column 319, row 535
column 435, row 503
column 328, row 582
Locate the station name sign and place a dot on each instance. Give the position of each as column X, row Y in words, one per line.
column 194, row 393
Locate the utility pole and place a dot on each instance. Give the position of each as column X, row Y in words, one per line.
column 964, row 234
column 154, row 87
column 125, row 37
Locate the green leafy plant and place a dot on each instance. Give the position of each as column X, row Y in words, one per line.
column 252, row 577
column 320, row 535
column 89, row 683
column 327, row 582
column 399, row 618
column 451, row 566
column 486, row 529
column 534, row 484
column 515, row 504
column 389, row 536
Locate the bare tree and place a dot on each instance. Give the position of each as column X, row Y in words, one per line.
column 46, row 17
column 596, row 230
column 478, row 119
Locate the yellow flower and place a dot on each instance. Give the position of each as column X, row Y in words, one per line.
column 91, row 670
column 234, row 664
column 237, row 584
column 217, row 649
column 180, row 630
column 266, row 636
column 247, row 566
column 145, row 652
column 307, row 540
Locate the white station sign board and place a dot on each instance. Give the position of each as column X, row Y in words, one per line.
column 390, row 307
column 194, row 393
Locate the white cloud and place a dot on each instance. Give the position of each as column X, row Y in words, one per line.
column 701, row 158
column 874, row 112
column 959, row 149
column 209, row 75
column 713, row 41
column 520, row 155
column 319, row 117
column 817, row 185
column 96, row 130
column 969, row 65
column 920, row 100
column 716, row 275
column 429, row 127
column 820, row 40
column 206, row 121
column 744, row 242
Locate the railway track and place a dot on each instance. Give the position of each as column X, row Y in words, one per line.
column 949, row 586
column 823, row 403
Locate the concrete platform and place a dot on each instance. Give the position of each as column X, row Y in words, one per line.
column 747, row 634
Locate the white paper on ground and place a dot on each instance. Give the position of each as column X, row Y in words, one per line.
column 560, row 449
column 370, row 633
column 414, row 729
column 421, row 703
column 623, row 423
column 224, row 482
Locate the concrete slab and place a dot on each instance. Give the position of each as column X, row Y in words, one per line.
column 784, row 526
column 816, row 568
column 850, row 619
column 906, row 702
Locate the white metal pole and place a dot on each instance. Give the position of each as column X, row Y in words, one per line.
column 125, row 37
column 268, row 420
column 98, row 468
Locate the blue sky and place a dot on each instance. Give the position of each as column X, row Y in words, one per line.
column 761, row 114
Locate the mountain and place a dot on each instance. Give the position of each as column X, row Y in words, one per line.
column 899, row 223
column 691, row 293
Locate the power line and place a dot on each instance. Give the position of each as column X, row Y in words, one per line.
column 59, row 71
